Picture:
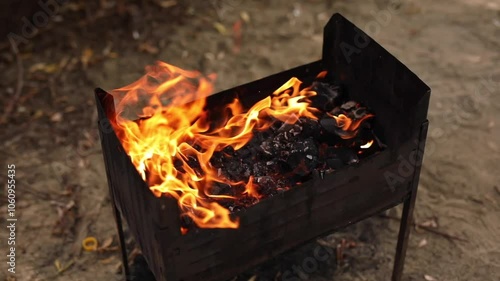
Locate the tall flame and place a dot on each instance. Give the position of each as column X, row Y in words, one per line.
column 173, row 131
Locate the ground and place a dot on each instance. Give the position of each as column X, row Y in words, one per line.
column 51, row 134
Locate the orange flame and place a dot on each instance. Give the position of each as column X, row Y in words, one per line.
column 349, row 126
column 173, row 131
column 251, row 189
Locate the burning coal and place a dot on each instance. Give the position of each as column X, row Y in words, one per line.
column 250, row 154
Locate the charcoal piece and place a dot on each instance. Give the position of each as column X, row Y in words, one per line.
column 329, row 124
column 293, row 130
column 349, row 105
column 311, row 161
column 255, row 141
column 337, row 111
column 310, row 127
column 344, row 134
column 281, row 139
column 276, row 126
column 296, row 162
column 266, row 186
column 284, row 127
column 267, row 147
column 234, row 169
column 307, row 146
column 242, row 203
column 218, row 188
column 217, row 159
column 283, row 154
column 243, row 152
column 255, row 153
column 247, row 169
column 327, row 96
column 229, row 150
column 302, row 163
column 260, row 169
column 359, row 112
column 286, row 133
column 264, row 180
column 263, row 135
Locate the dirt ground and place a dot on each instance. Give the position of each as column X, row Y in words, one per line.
column 51, row 134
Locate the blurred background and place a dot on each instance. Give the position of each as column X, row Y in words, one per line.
column 54, row 53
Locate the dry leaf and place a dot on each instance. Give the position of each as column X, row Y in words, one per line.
column 422, row 243
column 118, row 267
column 69, row 109
column 429, row 278
column 56, row 117
column 209, row 56
column 166, row 3
column 39, row 113
column 86, row 56
column 430, row 223
column 47, row 68
column 60, row 267
column 220, row 28
column 108, row 260
column 64, row 62
column 245, row 16
column 106, row 243
column 148, row 48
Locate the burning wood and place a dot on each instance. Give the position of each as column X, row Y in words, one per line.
column 216, row 169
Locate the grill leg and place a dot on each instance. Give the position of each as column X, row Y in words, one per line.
column 403, row 237
column 408, row 206
column 123, row 246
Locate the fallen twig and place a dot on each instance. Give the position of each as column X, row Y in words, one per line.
column 60, row 267
column 428, row 229
column 20, row 82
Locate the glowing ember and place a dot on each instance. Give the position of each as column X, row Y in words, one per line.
column 367, row 145
column 172, row 142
